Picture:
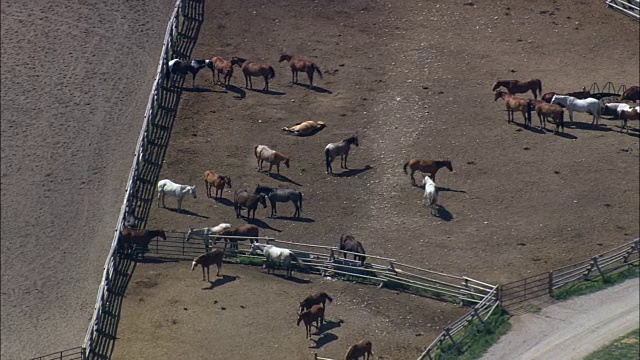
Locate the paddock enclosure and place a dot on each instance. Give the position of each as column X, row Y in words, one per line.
column 412, row 79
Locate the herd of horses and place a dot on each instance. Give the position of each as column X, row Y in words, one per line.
column 551, row 106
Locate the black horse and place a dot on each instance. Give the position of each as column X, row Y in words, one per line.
column 245, row 199
column 179, row 67
column 349, row 243
column 281, row 195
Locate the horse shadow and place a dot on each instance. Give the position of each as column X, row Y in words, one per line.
column 241, row 94
column 565, row 135
column 200, row 90
column 443, row 214
column 329, row 325
column 282, row 178
column 446, row 189
column 269, row 92
column 589, row 126
column 353, row 172
column 186, row 212
column 225, row 279
column 261, row 224
column 293, row 218
column 315, row 88
column 530, row 127
column 223, row 201
column 324, row 339
column 292, row 279
column 153, row 260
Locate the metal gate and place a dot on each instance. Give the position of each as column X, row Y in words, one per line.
column 525, row 289
column 628, row 7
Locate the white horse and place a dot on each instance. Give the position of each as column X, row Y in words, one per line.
column 204, row 233
column 589, row 105
column 275, row 254
column 169, row 188
column 430, row 194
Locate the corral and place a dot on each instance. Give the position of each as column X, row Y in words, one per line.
column 519, row 200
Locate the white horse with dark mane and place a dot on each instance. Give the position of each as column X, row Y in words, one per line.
column 204, row 233
column 430, row 194
column 274, row 254
column 169, row 188
column 589, row 105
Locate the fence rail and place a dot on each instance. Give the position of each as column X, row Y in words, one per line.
column 76, row 353
column 628, row 7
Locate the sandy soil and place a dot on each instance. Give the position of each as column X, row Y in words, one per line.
column 413, row 79
column 572, row 329
column 69, row 126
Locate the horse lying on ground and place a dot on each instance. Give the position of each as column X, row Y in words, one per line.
column 130, row 238
column 247, row 230
column 264, row 153
column 315, row 314
column 211, row 179
column 360, row 349
column 317, row 298
column 207, row 259
column 426, row 166
column 430, row 194
column 169, row 188
column 514, row 103
column 519, row 87
column 250, row 201
column 281, row 195
column 332, row 150
column 349, row 243
column 591, row 106
column 277, row 255
column 204, row 233
column 250, row 69
column 299, row 64
column 305, row 128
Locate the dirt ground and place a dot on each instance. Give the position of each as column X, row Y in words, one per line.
column 412, row 79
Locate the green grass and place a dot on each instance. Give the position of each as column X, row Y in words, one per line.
column 587, row 287
column 623, row 348
column 476, row 339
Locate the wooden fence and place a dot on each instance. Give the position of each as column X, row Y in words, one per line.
column 627, row 7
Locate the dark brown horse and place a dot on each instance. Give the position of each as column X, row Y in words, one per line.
column 520, row 87
column 583, row 94
column 299, row 64
column 244, row 198
column 221, row 66
column 514, row 103
column 426, row 166
column 250, row 69
column 632, row 93
column 317, row 298
column 131, row 238
column 349, row 243
column 211, row 179
column 247, row 230
column 315, row 314
column 362, row 348
column 207, row 259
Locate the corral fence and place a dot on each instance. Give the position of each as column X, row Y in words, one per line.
column 544, row 284
column 481, row 297
column 76, row 353
column 628, row 7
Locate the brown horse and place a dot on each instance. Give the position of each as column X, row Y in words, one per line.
column 211, row 179
column 349, row 243
column 362, row 348
column 250, row 69
column 248, row 230
column 318, row 298
column 426, row 166
column 626, row 115
column 546, row 110
column 514, row 103
column 131, row 238
column 264, row 153
column 299, row 64
column 305, row 128
column 221, row 66
column 632, row 93
column 520, row 87
column 207, row 259
column 315, row 314
column 243, row 198
column 583, row 94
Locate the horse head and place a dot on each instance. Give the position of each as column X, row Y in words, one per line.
column 237, row 61
column 495, row 86
column 447, row 163
column 263, row 200
column 162, row 235
column 300, row 317
column 194, row 264
column 353, row 140
column 189, row 234
column 286, row 162
column 284, row 56
column 227, row 180
column 498, row 95
column 193, row 191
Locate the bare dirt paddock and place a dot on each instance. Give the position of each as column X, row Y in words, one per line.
column 413, row 79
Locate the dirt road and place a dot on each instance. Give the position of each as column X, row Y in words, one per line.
column 572, row 329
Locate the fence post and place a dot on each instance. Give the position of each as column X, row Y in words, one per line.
column 455, row 344
column 475, row 311
column 595, row 262
column 551, row 283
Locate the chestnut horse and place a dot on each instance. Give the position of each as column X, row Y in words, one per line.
column 362, row 348
column 632, row 93
column 211, row 179
column 221, row 66
column 315, row 314
column 317, row 298
column 426, row 166
column 207, row 259
column 546, row 110
column 250, row 69
column 514, row 103
column 299, row 64
column 520, row 87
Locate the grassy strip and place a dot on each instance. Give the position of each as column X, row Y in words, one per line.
column 474, row 340
column 622, row 348
column 587, row 287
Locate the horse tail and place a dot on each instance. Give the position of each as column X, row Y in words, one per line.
column 300, row 202
column 167, row 72
column 295, row 258
column 327, row 156
column 540, row 87
column 255, row 150
column 405, row 167
column 329, row 297
column 272, row 72
column 317, row 69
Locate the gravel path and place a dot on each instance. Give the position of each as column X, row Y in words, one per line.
column 574, row 328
